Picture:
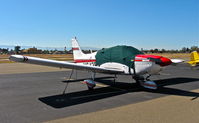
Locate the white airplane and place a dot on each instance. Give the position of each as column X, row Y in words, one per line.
column 123, row 60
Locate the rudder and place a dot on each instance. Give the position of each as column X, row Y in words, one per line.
column 77, row 52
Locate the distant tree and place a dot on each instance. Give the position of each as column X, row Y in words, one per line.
column 188, row 50
column 156, row 50
column 151, row 51
column 184, row 50
column 46, row 51
column 194, row 48
column 163, row 51
column 65, row 51
column 5, row 51
column 17, row 49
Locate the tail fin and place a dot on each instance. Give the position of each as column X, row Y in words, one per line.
column 77, row 52
column 194, row 56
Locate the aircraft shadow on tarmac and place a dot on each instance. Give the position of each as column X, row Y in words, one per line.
column 75, row 98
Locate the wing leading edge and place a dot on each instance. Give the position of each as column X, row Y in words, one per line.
column 62, row 64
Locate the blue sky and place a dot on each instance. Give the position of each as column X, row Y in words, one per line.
column 169, row 24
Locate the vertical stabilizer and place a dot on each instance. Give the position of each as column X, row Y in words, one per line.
column 194, row 56
column 77, row 52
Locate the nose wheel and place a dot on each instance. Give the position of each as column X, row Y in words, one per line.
column 145, row 82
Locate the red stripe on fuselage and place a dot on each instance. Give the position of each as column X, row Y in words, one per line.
column 75, row 48
column 84, row 60
column 148, row 56
column 142, row 60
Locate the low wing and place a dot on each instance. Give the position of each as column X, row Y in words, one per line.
column 62, row 64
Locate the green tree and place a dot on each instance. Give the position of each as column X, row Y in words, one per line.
column 194, row 48
column 17, row 49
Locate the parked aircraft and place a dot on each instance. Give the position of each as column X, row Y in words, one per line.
column 124, row 60
column 194, row 61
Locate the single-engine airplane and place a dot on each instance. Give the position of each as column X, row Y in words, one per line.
column 124, row 60
column 194, row 60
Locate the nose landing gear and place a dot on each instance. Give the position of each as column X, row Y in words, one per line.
column 145, row 82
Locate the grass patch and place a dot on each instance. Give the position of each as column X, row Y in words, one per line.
column 6, row 62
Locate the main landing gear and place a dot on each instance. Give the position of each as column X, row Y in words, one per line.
column 91, row 82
